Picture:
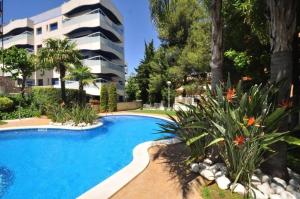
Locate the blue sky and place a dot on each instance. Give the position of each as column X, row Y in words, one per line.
column 137, row 22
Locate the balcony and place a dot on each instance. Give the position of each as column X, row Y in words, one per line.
column 20, row 23
column 99, row 64
column 95, row 18
column 97, row 41
column 26, row 38
column 70, row 5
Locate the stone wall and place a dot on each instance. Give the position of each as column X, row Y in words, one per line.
column 7, row 85
column 126, row 106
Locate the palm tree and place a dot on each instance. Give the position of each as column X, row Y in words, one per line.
column 59, row 54
column 83, row 75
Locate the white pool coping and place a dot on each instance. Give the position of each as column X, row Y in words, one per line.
column 117, row 181
column 72, row 128
column 141, row 159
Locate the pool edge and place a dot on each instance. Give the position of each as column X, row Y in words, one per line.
column 53, row 127
column 117, row 181
column 121, row 178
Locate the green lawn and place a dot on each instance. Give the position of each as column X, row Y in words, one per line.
column 1, row 122
column 213, row 192
column 160, row 112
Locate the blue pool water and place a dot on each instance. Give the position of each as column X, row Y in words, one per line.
column 60, row 164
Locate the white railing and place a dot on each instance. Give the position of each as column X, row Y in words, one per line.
column 87, row 16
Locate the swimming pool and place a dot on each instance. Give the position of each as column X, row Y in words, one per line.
column 61, row 164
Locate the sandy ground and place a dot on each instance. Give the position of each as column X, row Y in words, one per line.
column 26, row 122
column 164, row 178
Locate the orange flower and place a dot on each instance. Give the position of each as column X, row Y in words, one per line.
column 239, row 140
column 230, row 94
column 251, row 121
column 246, row 78
column 286, row 103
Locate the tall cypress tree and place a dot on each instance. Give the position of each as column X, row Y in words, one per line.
column 144, row 71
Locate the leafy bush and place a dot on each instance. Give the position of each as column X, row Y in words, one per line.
column 76, row 114
column 23, row 112
column 58, row 114
column 45, row 96
column 241, row 125
column 104, row 99
column 83, row 114
column 6, row 104
column 20, row 101
column 112, row 98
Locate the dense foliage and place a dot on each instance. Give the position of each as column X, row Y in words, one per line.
column 6, row 104
column 43, row 97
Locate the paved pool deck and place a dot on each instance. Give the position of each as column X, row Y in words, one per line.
column 26, row 122
column 164, row 178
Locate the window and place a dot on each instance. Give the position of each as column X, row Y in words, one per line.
column 53, row 26
column 55, row 81
column 39, row 46
column 39, row 31
column 40, row 82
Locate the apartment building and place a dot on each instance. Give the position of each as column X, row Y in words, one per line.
column 96, row 26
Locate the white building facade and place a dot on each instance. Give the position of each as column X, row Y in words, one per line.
column 96, row 26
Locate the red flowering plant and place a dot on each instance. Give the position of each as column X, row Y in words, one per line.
column 240, row 124
column 243, row 124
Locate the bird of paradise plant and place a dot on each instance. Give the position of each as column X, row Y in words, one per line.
column 242, row 125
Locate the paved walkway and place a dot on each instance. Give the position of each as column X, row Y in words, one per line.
column 164, row 178
column 26, row 122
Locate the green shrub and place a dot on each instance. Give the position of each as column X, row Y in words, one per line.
column 23, row 112
column 104, row 99
column 83, row 114
column 6, row 104
column 58, row 114
column 21, row 101
column 45, row 96
column 112, row 98
column 76, row 114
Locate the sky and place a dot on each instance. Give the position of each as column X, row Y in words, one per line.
column 137, row 22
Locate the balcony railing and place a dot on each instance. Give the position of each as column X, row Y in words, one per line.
column 106, row 65
column 95, row 13
column 23, row 38
column 98, row 37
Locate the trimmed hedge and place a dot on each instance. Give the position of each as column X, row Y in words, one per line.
column 104, row 99
column 112, row 98
column 43, row 97
column 6, row 104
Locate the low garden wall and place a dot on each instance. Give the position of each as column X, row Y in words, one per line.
column 125, row 106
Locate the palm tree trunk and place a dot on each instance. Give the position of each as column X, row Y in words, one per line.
column 217, row 43
column 23, row 87
column 62, row 71
column 80, row 97
column 283, row 27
